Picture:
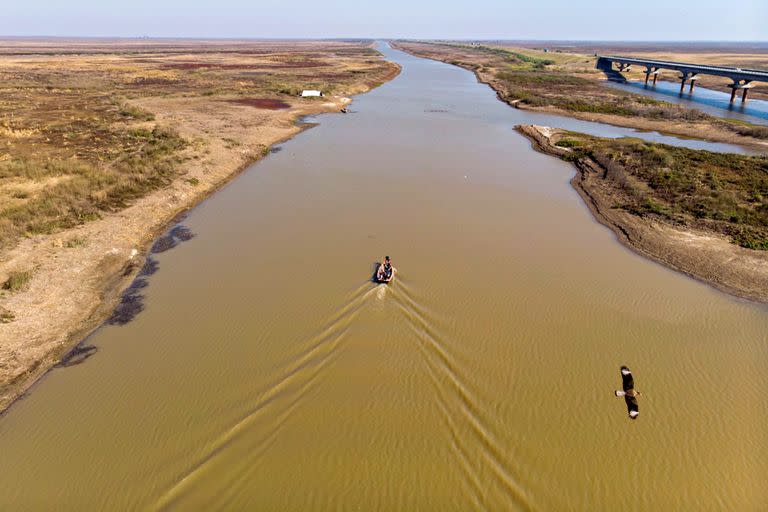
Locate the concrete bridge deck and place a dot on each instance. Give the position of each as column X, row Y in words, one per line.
column 742, row 78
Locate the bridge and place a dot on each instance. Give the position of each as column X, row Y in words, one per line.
column 742, row 78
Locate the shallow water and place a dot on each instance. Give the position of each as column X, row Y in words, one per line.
column 268, row 373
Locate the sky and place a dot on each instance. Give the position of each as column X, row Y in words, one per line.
column 624, row 20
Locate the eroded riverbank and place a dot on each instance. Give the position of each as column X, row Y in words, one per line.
column 706, row 255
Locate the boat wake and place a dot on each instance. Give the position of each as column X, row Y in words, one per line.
column 489, row 475
column 275, row 404
column 474, row 436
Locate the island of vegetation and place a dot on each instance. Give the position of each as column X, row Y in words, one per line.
column 104, row 143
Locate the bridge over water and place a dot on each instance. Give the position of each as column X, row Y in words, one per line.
column 742, row 78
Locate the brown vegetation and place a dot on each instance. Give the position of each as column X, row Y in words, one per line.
column 265, row 103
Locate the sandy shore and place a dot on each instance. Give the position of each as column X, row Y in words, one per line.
column 75, row 287
column 707, row 256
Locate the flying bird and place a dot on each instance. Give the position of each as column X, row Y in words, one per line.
column 630, row 394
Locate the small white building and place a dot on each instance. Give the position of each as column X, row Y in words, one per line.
column 309, row 93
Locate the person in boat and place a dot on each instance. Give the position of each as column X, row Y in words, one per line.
column 386, row 271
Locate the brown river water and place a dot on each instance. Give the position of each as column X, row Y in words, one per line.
column 268, row 373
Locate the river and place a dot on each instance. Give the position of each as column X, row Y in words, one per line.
column 268, row 373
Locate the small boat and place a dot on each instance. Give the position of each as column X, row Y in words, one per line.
column 385, row 273
column 384, row 277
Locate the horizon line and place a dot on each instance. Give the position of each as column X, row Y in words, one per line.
column 302, row 38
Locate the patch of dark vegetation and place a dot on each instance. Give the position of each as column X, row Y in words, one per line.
column 6, row 315
column 143, row 81
column 132, row 301
column 131, row 304
column 138, row 284
column 150, row 267
column 135, row 113
column 164, row 243
column 182, row 233
column 275, row 149
column 77, row 355
column 746, row 129
column 255, row 73
column 17, row 280
column 262, row 103
column 567, row 143
column 178, row 233
column 293, row 64
column 722, row 192
column 288, row 64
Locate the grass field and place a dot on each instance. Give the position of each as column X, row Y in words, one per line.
column 723, row 192
column 74, row 144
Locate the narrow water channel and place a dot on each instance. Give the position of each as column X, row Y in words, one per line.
column 268, row 373
column 706, row 100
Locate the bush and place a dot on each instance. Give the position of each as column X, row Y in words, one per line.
column 568, row 143
column 17, row 280
column 139, row 114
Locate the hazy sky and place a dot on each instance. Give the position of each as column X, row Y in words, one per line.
column 481, row 19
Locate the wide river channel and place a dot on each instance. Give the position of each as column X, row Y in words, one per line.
column 267, row 372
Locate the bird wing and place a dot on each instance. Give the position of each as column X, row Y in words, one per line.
column 627, row 381
column 632, row 408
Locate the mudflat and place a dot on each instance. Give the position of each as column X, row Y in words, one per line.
column 104, row 142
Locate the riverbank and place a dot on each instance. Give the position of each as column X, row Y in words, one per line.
column 62, row 284
column 569, row 85
column 745, row 55
column 704, row 254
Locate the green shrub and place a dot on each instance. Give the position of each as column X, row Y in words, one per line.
column 568, row 143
